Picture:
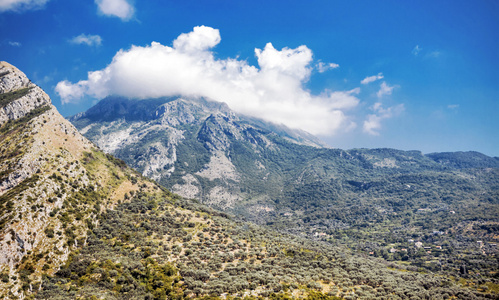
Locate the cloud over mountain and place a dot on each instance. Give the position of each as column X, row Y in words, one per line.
column 273, row 91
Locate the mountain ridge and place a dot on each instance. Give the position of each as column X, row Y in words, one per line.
column 465, row 159
column 147, row 109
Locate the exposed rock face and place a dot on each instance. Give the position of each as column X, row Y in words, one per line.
column 189, row 189
column 219, row 167
column 12, row 80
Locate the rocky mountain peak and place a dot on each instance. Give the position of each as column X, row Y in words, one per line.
column 11, row 78
column 19, row 96
column 196, row 146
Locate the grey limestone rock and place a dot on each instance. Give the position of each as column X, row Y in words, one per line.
column 12, row 80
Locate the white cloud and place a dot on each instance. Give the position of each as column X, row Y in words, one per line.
column 342, row 99
column 272, row 91
column 89, row 40
column 416, row 50
column 293, row 63
column 68, row 91
column 200, row 39
column 384, row 89
column 323, row 67
column 373, row 123
column 373, row 78
column 21, row 5
column 434, row 54
column 118, row 8
column 453, row 106
column 14, row 44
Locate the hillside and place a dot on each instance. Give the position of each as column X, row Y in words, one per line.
column 427, row 211
column 77, row 223
column 53, row 185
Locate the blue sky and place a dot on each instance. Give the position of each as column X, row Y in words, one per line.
column 411, row 75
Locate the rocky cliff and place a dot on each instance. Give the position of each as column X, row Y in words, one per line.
column 19, row 95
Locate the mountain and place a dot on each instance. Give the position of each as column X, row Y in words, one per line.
column 77, row 223
column 382, row 202
column 185, row 144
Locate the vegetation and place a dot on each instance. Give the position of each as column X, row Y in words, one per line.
column 157, row 248
column 6, row 98
column 433, row 213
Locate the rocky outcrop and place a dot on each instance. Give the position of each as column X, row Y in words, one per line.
column 12, row 79
column 178, row 112
column 19, row 95
column 219, row 167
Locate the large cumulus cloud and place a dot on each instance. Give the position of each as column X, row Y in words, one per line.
column 273, row 90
